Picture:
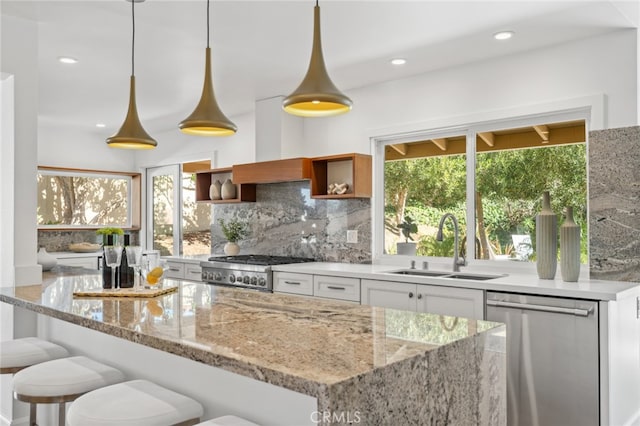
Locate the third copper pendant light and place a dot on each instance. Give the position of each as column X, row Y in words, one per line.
column 317, row 96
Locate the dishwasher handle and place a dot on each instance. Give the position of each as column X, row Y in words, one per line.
column 532, row 307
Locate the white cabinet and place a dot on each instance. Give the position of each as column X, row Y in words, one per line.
column 289, row 282
column 184, row 271
column 452, row 301
column 175, row 271
column 192, row 272
column 620, row 361
column 88, row 261
column 327, row 287
column 336, row 288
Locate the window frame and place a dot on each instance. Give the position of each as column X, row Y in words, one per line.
column 134, row 196
column 378, row 144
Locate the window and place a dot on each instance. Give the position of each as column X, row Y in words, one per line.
column 81, row 199
column 177, row 224
column 427, row 177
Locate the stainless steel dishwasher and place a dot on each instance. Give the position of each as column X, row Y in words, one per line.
column 552, row 359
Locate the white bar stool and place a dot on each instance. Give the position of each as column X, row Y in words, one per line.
column 134, row 403
column 228, row 421
column 60, row 381
column 22, row 353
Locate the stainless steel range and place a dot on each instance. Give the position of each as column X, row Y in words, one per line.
column 249, row 271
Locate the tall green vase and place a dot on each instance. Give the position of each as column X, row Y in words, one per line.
column 570, row 248
column 546, row 240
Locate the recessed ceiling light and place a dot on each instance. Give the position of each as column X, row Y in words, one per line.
column 101, row 125
column 503, row 35
column 398, row 61
column 67, row 60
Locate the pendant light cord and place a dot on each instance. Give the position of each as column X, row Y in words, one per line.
column 207, row 24
column 133, row 37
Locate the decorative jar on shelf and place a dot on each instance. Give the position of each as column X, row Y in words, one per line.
column 228, row 190
column 570, row 248
column 46, row 260
column 214, row 190
column 546, row 240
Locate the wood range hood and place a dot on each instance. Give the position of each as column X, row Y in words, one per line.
column 290, row 169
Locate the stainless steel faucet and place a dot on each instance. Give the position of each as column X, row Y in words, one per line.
column 457, row 262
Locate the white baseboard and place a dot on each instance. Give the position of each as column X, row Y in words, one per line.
column 22, row 421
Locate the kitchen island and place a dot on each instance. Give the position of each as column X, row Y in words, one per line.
column 360, row 364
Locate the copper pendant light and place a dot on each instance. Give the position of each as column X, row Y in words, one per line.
column 131, row 134
column 207, row 119
column 317, row 96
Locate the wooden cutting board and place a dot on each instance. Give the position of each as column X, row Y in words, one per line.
column 125, row 292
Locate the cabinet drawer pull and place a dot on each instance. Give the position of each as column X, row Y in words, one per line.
column 174, row 269
column 292, row 282
column 333, row 287
column 410, row 295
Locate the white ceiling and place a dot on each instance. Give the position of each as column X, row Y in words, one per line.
column 261, row 48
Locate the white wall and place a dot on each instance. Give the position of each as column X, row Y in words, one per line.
column 532, row 81
column 60, row 146
column 493, row 89
column 174, row 146
column 21, row 60
column 6, row 179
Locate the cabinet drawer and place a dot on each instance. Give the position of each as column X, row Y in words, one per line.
column 84, row 262
column 176, row 270
column 287, row 282
column 336, row 287
column 192, row 272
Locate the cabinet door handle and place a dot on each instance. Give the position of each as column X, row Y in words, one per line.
column 419, row 295
column 292, row 282
column 410, row 295
column 333, row 287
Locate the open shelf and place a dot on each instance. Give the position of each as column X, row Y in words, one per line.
column 353, row 169
column 245, row 192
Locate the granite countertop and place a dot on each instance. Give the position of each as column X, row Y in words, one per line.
column 303, row 344
column 514, row 282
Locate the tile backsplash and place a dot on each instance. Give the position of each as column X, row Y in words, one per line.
column 285, row 220
column 55, row 241
column 614, row 204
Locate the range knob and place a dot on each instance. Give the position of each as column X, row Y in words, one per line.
column 204, row 275
column 262, row 282
column 218, row 277
column 232, row 278
column 245, row 279
column 254, row 280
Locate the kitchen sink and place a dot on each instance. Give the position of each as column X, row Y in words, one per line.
column 477, row 277
column 420, row 272
column 443, row 274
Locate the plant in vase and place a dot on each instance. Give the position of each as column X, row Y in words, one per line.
column 407, row 227
column 106, row 235
column 233, row 230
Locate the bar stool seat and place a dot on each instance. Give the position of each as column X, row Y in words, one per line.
column 18, row 354
column 228, row 421
column 60, row 381
column 135, row 403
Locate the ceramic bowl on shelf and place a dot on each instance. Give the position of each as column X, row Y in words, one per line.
column 84, row 247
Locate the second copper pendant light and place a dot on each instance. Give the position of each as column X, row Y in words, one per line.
column 207, row 119
column 317, row 96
